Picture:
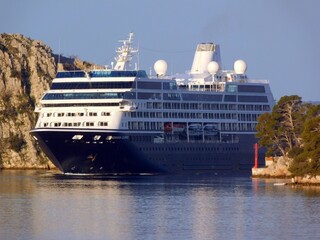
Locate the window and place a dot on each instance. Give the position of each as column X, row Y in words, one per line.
column 169, row 86
column 71, row 74
column 103, row 124
column 252, row 99
column 71, row 114
column 171, row 96
column 230, row 98
column 201, row 97
column 143, row 95
column 231, row 88
column 149, row 85
column 108, row 73
column 251, row 88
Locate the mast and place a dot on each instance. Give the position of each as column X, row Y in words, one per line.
column 125, row 53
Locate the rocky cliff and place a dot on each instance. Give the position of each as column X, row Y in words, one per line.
column 26, row 69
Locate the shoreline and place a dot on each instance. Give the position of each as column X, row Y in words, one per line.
column 265, row 173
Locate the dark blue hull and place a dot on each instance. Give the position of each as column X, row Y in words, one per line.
column 99, row 152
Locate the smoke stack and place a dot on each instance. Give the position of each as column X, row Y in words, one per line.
column 205, row 53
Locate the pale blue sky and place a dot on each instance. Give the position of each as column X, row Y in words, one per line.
column 279, row 39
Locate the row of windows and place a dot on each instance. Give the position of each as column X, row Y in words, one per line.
column 207, row 106
column 73, row 124
column 74, row 114
column 155, row 95
column 115, row 85
column 71, row 74
column 68, row 96
column 203, row 97
column 142, row 114
column 140, row 125
column 92, row 85
column 158, row 126
column 195, row 115
column 155, row 105
column 81, row 105
column 108, row 73
column 233, row 88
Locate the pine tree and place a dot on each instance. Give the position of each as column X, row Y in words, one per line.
column 292, row 130
column 279, row 130
column 307, row 159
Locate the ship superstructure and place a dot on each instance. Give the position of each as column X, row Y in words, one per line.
column 121, row 121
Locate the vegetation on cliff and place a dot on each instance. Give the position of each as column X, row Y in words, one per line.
column 292, row 130
column 27, row 68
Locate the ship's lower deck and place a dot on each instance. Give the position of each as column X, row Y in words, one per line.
column 98, row 152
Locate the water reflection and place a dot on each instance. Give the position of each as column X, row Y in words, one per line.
column 48, row 205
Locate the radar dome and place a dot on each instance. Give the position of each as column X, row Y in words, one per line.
column 240, row 66
column 213, row 67
column 160, row 67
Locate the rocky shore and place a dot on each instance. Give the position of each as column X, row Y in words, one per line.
column 278, row 167
column 27, row 68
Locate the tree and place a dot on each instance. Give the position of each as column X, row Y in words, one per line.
column 268, row 135
column 307, row 160
column 279, row 130
column 292, row 130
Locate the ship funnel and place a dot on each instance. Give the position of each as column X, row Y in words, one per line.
column 205, row 53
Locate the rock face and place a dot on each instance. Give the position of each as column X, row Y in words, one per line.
column 27, row 68
column 277, row 168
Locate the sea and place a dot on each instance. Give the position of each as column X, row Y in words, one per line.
column 39, row 204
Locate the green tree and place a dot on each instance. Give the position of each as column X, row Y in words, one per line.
column 268, row 136
column 280, row 130
column 307, row 159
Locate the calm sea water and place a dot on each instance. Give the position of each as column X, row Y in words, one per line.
column 49, row 205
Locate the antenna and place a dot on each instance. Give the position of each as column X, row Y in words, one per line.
column 138, row 50
column 124, row 53
column 59, row 53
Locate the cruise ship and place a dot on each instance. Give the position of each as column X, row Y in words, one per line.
column 120, row 120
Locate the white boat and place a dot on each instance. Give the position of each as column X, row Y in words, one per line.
column 120, row 120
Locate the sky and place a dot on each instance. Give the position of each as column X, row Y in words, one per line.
column 278, row 39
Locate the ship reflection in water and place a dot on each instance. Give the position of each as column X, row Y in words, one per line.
column 48, row 205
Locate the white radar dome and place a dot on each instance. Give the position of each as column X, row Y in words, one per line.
column 160, row 67
column 240, row 66
column 213, row 67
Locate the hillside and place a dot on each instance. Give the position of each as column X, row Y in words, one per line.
column 27, row 68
